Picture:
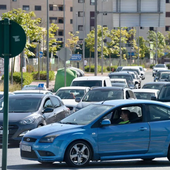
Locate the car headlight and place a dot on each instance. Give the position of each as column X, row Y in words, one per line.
column 27, row 121
column 48, row 139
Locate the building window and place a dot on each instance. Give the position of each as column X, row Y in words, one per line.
column 59, row 39
column 71, row 9
column 60, row 20
column 26, row 7
column 105, row 26
column 81, row 1
column 37, row 8
column 104, row 13
column 53, row 20
column 53, row 7
column 2, row 7
column 60, row 7
column 80, row 27
column 167, row 14
column 92, row 2
column 167, row 28
column 60, row 32
column 142, row 28
column 71, row 21
column 14, row 0
column 91, row 28
column 167, row 1
column 151, row 28
column 80, row 14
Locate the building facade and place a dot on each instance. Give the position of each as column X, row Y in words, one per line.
column 56, row 13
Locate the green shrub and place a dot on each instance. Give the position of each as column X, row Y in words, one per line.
column 43, row 75
column 168, row 65
column 151, row 66
column 112, row 67
column 87, row 69
column 27, row 78
column 30, row 68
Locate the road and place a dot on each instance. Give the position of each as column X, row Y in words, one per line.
column 15, row 162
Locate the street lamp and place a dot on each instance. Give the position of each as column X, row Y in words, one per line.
column 37, row 42
column 78, row 48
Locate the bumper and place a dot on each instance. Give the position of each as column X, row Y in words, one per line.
column 42, row 152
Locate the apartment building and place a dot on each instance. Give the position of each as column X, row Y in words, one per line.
column 155, row 15
column 56, row 14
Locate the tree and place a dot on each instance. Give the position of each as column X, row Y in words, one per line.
column 159, row 44
column 74, row 38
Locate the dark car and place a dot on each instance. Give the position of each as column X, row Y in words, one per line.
column 99, row 94
column 123, row 75
column 27, row 112
column 158, row 74
column 154, row 85
column 164, row 94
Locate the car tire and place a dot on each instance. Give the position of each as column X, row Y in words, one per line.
column 82, row 154
column 168, row 155
column 148, row 159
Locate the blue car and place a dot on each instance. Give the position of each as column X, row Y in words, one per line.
column 96, row 132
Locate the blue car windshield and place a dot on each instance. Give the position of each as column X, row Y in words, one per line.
column 86, row 115
column 21, row 105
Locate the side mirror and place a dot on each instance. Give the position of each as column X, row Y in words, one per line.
column 78, row 99
column 47, row 110
column 105, row 122
column 153, row 98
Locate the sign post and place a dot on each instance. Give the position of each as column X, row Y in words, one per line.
column 12, row 41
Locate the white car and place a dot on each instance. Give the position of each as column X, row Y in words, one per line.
column 119, row 81
column 145, row 93
column 32, row 92
column 159, row 67
column 68, row 95
column 35, row 87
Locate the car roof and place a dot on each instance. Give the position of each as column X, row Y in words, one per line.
column 109, row 88
column 31, row 91
column 74, row 87
column 119, row 73
column 28, row 96
column 91, row 78
column 145, row 90
column 121, row 101
column 159, row 82
column 118, row 79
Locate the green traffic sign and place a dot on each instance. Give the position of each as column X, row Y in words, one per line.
column 17, row 39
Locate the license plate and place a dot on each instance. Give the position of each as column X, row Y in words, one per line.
column 26, row 148
column 1, row 132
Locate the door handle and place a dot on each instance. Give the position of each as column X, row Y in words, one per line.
column 142, row 129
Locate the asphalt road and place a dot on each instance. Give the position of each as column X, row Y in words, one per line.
column 14, row 161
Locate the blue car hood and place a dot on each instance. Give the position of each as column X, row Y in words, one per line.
column 52, row 128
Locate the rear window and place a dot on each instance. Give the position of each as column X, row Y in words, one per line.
column 164, row 93
column 87, row 83
column 152, row 86
column 132, row 70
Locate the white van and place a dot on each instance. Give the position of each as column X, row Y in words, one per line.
column 92, row 81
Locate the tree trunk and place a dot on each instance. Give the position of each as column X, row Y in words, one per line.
column 90, row 63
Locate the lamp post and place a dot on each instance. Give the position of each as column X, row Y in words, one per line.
column 47, row 83
column 37, row 43
column 78, row 48
column 53, row 46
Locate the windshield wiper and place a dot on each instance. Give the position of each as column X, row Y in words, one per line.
column 72, row 123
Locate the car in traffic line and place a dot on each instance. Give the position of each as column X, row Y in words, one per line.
column 93, row 133
column 68, row 95
column 154, row 85
column 104, row 93
column 27, row 112
column 158, row 67
column 146, row 94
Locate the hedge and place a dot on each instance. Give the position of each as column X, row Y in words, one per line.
column 43, row 75
column 27, row 78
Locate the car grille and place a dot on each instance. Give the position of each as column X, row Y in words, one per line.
column 12, row 130
column 26, row 154
column 27, row 139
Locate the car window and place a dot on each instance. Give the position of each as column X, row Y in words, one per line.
column 48, row 103
column 152, row 86
column 144, row 95
column 158, row 113
column 55, row 101
column 89, row 83
column 165, row 93
column 131, row 94
column 135, row 115
column 127, row 95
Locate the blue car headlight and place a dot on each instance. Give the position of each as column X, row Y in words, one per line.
column 48, row 138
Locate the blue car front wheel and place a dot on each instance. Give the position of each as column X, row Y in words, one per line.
column 78, row 154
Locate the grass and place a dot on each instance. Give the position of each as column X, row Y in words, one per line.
column 12, row 87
